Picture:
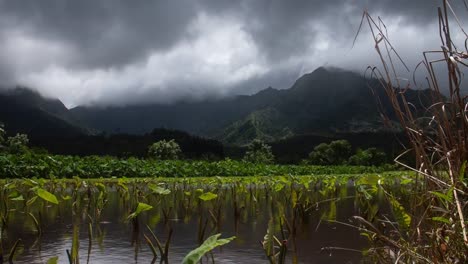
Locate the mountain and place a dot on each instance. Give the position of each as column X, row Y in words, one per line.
column 325, row 102
column 205, row 118
column 25, row 111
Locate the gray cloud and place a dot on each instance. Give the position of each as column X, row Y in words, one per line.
column 102, row 33
column 118, row 51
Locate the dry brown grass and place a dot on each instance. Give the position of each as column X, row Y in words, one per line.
column 439, row 143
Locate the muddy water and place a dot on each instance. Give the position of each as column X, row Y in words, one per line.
column 115, row 240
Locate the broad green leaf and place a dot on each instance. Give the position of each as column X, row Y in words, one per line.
column 18, row 198
column 31, row 201
column 47, row 196
column 208, row 196
column 159, row 190
column 278, row 187
column 101, row 187
column 210, row 243
column 13, row 194
column 10, row 186
column 140, row 208
column 53, row 260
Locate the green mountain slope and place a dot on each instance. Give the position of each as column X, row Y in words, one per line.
column 25, row 111
column 325, row 102
column 267, row 124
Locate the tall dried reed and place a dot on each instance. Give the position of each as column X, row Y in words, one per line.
column 438, row 139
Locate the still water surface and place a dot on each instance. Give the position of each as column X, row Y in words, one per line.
column 114, row 240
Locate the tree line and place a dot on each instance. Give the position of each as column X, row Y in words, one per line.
column 164, row 144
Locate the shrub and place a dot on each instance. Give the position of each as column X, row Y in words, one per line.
column 259, row 152
column 17, row 144
column 368, row 157
column 164, row 150
column 335, row 153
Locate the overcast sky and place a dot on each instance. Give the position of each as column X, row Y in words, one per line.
column 122, row 52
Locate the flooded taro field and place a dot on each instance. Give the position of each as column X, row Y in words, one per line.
column 306, row 219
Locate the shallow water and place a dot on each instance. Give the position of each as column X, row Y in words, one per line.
column 115, row 240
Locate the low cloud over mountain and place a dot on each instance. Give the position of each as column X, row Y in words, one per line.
column 125, row 52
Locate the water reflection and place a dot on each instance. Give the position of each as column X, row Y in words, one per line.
column 114, row 240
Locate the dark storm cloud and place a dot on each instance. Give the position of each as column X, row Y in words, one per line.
column 117, row 51
column 103, row 33
column 286, row 28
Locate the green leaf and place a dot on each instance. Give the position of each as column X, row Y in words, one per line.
column 403, row 218
column 10, row 186
column 140, row 208
column 441, row 219
column 278, row 187
column 18, row 198
column 47, row 196
column 208, row 196
column 447, row 197
column 66, row 197
column 31, row 201
column 462, row 171
column 13, row 194
column 101, row 187
column 53, row 260
column 159, row 190
column 210, row 243
column 268, row 240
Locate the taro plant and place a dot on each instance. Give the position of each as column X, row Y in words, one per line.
column 73, row 256
column 208, row 245
column 141, row 207
column 163, row 250
column 271, row 244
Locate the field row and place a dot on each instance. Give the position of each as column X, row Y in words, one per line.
column 32, row 165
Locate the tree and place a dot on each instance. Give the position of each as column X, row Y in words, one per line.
column 18, row 144
column 165, row 150
column 335, row 153
column 368, row 157
column 259, row 152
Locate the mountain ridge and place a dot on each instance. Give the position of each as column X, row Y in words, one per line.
column 25, row 111
column 326, row 101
